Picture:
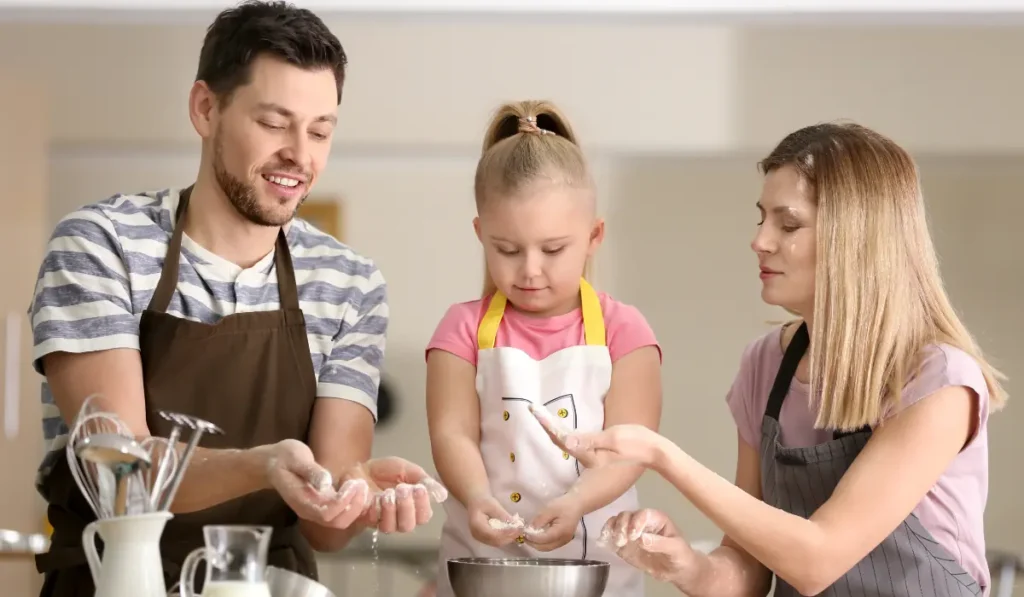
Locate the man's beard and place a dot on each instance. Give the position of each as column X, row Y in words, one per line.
column 243, row 195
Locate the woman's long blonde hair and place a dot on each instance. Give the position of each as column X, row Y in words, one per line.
column 878, row 296
column 526, row 141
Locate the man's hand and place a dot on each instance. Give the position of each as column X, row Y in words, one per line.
column 400, row 494
column 294, row 473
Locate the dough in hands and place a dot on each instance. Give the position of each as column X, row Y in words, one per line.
column 436, row 490
column 516, row 522
column 322, row 481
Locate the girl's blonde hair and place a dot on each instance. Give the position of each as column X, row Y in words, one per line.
column 527, row 141
column 878, row 296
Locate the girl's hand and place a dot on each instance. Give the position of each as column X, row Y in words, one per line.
column 490, row 524
column 556, row 524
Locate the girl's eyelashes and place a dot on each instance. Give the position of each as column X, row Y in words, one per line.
column 547, row 251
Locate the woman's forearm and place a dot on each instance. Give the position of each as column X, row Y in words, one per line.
column 782, row 542
column 725, row 572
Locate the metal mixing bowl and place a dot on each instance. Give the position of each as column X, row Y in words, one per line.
column 515, row 577
column 285, row 583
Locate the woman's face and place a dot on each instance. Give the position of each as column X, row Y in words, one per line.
column 785, row 242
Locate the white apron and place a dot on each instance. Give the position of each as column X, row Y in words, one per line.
column 525, row 469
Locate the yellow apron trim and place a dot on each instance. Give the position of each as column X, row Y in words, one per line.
column 487, row 333
column 593, row 318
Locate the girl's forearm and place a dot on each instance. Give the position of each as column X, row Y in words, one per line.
column 598, row 487
column 461, row 467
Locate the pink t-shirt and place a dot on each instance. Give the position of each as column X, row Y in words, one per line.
column 626, row 330
column 953, row 510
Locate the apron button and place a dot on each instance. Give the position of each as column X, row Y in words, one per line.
column 504, row 415
column 515, row 497
column 563, row 413
column 512, row 456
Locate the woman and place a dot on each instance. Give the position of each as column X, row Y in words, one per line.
column 877, row 485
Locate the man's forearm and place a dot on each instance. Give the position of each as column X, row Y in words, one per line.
column 326, row 539
column 217, row 476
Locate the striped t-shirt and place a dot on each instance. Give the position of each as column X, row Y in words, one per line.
column 103, row 262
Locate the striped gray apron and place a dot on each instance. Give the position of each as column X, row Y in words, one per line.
column 909, row 563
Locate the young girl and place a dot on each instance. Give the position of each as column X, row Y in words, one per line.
column 862, row 428
column 541, row 339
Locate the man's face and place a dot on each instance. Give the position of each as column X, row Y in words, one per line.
column 272, row 139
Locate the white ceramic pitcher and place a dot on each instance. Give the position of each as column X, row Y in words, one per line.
column 131, row 565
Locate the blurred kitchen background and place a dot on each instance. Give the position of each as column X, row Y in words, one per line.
column 674, row 112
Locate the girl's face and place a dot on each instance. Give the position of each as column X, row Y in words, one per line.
column 537, row 243
column 786, row 240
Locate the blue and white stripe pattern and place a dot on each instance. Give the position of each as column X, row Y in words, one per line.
column 103, row 263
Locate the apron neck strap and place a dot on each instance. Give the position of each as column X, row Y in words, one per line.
column 790, row 360
column 288, row 292
column 169, row 273
column 593, row 318
column 287, row 288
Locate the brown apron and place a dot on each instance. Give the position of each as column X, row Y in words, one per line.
column 251, row 374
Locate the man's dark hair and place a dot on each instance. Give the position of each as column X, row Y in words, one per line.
column 254, row 28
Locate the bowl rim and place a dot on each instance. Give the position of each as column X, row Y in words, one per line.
column 279, row 574
column 529, row 562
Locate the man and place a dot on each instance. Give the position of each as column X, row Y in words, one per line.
column 213, row 301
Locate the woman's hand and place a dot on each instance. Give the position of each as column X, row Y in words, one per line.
column 647, row 540
column 618, row 444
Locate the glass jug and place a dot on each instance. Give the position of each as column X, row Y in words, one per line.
column 236, row 562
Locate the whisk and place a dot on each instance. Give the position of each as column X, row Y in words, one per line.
column 96, row 483
column 150, row 484
column 119, row 490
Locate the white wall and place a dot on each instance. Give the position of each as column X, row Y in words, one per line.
column 640, row 86
column 674, row 116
